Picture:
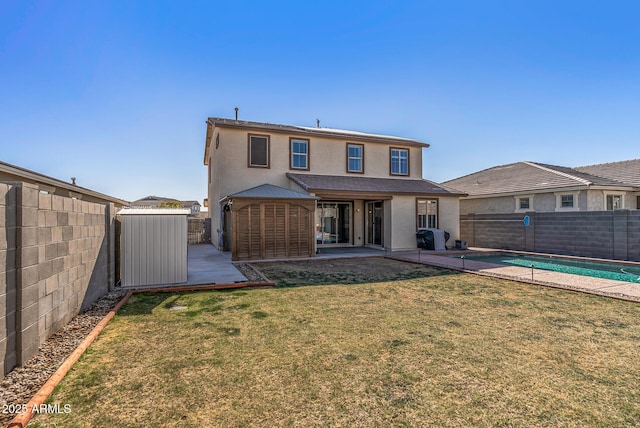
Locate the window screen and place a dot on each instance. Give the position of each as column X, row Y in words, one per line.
column 258, row 151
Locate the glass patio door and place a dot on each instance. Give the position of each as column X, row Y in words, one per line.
column 333, row 223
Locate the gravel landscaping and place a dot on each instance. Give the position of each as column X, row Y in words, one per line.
column 21, row 384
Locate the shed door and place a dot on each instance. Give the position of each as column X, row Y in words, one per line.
column 271, row 229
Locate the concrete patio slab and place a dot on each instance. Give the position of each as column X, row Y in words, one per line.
column 205, row 266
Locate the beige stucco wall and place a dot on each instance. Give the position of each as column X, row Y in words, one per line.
column 449, row 218
column 358, row 223
column 326, row 156
column 403, row 221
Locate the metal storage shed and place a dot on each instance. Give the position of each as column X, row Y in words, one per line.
column 154, row 246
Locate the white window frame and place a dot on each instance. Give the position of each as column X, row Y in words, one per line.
column 576, row 203
column 606, row 196
column 304, row 155
column 400, row 158
column 358, row 158
column 519, row 198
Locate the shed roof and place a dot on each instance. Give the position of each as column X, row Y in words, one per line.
column 335, row 183
column 154, row 211
column 269, row 191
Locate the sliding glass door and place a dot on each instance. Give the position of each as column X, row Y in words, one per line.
column 333, row 223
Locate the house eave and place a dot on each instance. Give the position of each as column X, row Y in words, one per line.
column 207, row 142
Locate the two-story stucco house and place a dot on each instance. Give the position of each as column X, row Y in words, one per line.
column 286, row 191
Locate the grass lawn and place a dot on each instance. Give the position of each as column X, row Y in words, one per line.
column 435, row 349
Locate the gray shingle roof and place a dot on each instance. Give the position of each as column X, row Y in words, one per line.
column 527, row 177
column 627, row 172
column 315, row 183
column 269, row 191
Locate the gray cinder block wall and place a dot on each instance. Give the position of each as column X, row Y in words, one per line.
column 599, row 234
column 64, row 261
column 8, row 226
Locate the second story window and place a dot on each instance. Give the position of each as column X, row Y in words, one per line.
column 355, row 158
column 399, row 161
column 259, row 151
column 299, row 150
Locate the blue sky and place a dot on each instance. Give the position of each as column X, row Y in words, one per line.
column 116, row 93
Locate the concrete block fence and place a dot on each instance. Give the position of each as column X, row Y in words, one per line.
column 57, row 256
column 600, row 234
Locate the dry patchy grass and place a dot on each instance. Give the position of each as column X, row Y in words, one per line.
column 441, row 350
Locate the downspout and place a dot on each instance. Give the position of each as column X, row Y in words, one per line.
column 221, row 228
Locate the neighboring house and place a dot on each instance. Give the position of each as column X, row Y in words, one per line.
column 194, row 206
column 155, row 201
column 285, row 191
column 535, row 187
column 53, row 186
column 589, row 211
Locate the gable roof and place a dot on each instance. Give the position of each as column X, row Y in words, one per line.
column 526, row 177
column 269, row 191
column 334, row 183
column 627, row 172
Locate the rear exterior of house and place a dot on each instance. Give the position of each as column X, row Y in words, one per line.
column 278, row 191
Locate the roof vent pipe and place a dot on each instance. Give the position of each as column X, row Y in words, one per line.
column 236, row 109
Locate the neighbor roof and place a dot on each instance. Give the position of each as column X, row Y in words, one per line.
column 154, row 201
column 269, row 191
column 523, row 177
column 627, row 172
column 35, row 177
column 333, row 183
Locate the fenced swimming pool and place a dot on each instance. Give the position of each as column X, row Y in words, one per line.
column 618, row 272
